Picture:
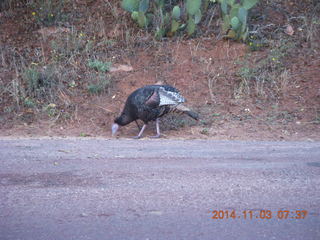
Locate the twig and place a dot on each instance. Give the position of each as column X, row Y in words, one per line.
column 210, row 80
column 107, row 110
column 210, row 20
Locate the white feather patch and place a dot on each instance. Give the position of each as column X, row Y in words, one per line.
column 169, row 97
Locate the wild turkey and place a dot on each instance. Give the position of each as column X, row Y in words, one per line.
column 149, row 103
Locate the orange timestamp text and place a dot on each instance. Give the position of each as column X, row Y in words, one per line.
column 258, row 214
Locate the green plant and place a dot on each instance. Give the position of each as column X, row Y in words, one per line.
column 235, row 15
column 255, row 43
column 205, row 131
column 6, row 4
column 166, row 18
column 51, row 110
column 98, row 83
column 138, row 9
column 32, row 77
column 48, row 12
column 317, row 117
column 169, row 17
column 175, row 24
column 130, row 5
column 69, row 45
column 29, row 102
column 99, row 66
column 167, row 23
column 268, row 75
column 82, row 134
column 41, row 84
column 194, row 15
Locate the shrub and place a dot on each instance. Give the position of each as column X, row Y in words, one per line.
column 99, row 83
column 99, row 66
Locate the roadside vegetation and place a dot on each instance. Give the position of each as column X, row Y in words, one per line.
column 64, row 52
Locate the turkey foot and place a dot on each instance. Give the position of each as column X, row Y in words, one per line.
column 141, row 131
column 136, row 137
column 156, row 136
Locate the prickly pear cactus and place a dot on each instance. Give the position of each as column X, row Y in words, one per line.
column 168, row 18
column 176, row 12
column 247, row 4
column 191, row 26
column 130, row 5
column 193, row 6
column 138, row 9
column 235, row 14
column 143, row 6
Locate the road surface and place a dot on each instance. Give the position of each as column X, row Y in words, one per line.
column 96, row 189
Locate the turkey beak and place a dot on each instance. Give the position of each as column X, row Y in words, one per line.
column 114, row 129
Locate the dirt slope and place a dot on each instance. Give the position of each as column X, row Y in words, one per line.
column 206, row 70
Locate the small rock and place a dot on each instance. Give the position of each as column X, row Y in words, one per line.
column 289, row 30
column 121, row 68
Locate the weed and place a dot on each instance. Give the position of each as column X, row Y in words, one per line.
column 9, row 4
column 205, row 131
column 51, row 110
column 84, row 135
column 281, row 116
column 316, row 119
column 32, row 77
column 99, row 83
column 255, row 43
column 48, row 12
column 8, row 109
column 213, row 72
column 36, row 81
column 99, row 66
column 43, row 84
column 176, row 121
column 70, row 45
column 216, row 115
column 268, row 75
column 96, row 88
column 29, row 102
column 313, row 31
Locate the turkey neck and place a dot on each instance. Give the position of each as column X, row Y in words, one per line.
column 124, row 119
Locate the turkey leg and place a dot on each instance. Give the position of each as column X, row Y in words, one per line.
column 158, row 129
column 138, row 125
column 141, row 131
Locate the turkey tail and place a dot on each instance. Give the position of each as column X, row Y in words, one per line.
column 187, row 111
column 192, row 114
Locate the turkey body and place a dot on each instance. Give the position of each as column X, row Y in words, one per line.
column 149, row 103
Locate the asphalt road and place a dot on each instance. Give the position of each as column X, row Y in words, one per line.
column 96, row 189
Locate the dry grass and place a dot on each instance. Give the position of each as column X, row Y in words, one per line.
column 53, row 72
column 48, row 77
